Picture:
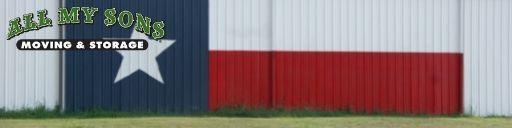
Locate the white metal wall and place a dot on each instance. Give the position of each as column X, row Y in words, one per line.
column 240, row 25
column 335, row 25
column 28, row 78
column 487, row 27
column 366, row 25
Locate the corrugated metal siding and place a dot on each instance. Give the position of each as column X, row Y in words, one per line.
column 240, row 25
column 27, row 78
column 487, row 27
column 365, row 55
column 426, row 26
column 183, row 66
column 240, row 78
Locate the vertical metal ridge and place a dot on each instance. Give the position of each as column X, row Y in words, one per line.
column 4, row 66
column 485, row 36
column 62, row 69
column 25, row 82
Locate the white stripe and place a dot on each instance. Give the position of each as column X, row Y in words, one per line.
column 336, row 25
column 240, row 24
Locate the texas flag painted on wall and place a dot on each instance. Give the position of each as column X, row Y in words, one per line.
column 393, row 57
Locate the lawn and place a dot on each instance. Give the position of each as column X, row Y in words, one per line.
column 279, row 122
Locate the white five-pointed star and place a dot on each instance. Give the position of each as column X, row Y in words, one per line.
column 144, row 60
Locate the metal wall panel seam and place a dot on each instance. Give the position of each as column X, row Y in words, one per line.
column 510, row 53
column 62, row 63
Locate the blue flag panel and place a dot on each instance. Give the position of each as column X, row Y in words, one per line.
column 171, row 76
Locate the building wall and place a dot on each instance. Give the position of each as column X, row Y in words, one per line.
column 362, row 55
column 487, row 27
column 28, row 78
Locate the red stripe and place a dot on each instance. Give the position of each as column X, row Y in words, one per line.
column 412, row 83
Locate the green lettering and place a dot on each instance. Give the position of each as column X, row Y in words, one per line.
column 29, row 22
column 158, row 30
column 14, row 28
column 143, row 24
column 66, row 17
column 89, row 13
column 129, row 19
column 43, row 20
column 110, row 18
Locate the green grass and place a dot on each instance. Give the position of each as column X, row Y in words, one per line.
column 274, row 122
column 38, row 112
column 237, row 117
column 42, row 112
